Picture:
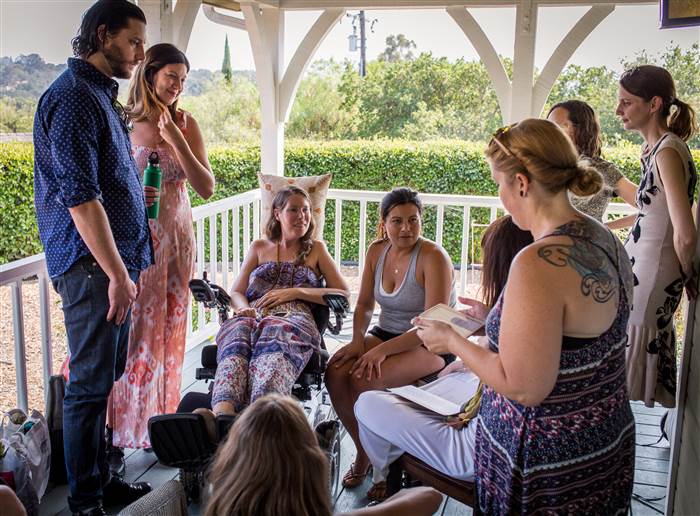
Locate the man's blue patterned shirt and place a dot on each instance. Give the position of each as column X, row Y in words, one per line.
column 82, row 152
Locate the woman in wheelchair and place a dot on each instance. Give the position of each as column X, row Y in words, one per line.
column 405, row 274
column 272, row 334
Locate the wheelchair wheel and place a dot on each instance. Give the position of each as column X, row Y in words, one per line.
column 328, row 435
column 334, row 461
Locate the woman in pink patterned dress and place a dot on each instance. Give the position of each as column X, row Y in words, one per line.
column 151, row 382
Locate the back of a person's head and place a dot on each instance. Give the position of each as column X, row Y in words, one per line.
column 649, row 81
column 270, row 464
column 541, row 151
column 501, row 242
column 114, row 15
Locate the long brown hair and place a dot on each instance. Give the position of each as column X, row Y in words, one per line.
column 586, row 126
column 274, row 227
column 502, row 240
column 541, row 151
column 142, row 102
column 270, row 464
column 649, row 81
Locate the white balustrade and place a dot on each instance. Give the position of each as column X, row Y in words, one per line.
column 227, row 244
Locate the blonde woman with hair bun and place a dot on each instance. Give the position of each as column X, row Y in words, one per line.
column 555, row 432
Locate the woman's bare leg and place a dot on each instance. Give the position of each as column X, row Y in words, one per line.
column 397, row 370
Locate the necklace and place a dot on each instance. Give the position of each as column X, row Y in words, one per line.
column 279, row 270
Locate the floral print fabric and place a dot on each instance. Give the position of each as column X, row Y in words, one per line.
column 151, row 382
column 658, row 285
column 264, row 354
column 573, row 453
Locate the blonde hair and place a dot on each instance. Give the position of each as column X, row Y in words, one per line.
column 270, row 464
column 142, row 102
column 541, row 151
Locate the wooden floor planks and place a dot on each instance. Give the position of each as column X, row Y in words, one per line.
column 652, row 461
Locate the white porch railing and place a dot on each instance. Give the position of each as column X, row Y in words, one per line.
column 233, row 223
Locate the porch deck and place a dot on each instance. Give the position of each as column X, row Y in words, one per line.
column 651, row 468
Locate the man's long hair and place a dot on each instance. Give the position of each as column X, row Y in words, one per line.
column 113, row 14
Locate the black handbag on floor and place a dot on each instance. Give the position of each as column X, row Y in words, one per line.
column 54, row 420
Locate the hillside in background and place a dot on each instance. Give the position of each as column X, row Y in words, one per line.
column 405, row 95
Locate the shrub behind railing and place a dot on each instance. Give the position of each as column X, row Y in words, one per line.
column 453, row 167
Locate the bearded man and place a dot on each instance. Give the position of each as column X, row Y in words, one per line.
column 93, row 225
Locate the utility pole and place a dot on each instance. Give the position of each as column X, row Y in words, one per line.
column 363, row 46
column 352, row 38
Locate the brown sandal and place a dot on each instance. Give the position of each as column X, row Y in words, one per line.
column 354, row 478
column 377, row 493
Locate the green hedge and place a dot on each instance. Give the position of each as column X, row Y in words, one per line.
column 437, row 167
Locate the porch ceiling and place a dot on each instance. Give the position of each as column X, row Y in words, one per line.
column 223, row 4
column 423, row 4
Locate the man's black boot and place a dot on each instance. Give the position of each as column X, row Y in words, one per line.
column 118, row 492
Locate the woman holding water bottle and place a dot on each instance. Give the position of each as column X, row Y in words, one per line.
column 151, row 382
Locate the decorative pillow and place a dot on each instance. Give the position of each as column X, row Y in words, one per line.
column 315, row 186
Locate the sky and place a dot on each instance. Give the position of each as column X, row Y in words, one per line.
column 45, row 27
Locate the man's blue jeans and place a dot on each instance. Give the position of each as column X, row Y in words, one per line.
column 98, row 350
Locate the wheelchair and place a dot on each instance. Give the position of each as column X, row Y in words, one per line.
column 181, row 440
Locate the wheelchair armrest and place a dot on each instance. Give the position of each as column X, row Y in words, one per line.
column 204, row 373
column 211, row 295
column 340, row 306
column 209, row 356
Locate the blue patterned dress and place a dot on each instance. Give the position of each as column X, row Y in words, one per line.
column 573, row 453
column 264, row 354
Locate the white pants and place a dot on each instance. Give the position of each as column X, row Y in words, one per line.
column 390, row 425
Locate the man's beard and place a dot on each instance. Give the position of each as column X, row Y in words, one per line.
column 118, row 65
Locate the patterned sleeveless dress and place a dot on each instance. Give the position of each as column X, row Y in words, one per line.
column 151, row 381
column 573, row 453
column 658, row 285
column 264, row 354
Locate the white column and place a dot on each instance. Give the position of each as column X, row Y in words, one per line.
column 184, row 15
column 277, row 88
column 167, row 25
column 159, row 20
column 523, row 61
column 266, row 32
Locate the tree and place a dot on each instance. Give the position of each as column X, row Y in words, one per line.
column 226, row 65
column 398, row 48
column 424, row 98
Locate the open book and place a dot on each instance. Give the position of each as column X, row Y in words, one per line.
column 446, row 396
column 461, row 323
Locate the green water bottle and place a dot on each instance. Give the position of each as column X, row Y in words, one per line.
column 151, row 177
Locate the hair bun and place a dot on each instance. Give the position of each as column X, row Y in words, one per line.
column 585, row 180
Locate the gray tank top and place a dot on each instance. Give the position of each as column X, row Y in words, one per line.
column 406, row 301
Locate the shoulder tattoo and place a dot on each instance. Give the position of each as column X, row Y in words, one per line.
column 598, row 278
